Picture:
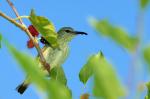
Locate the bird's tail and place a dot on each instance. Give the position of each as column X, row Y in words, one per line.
column 22, row 87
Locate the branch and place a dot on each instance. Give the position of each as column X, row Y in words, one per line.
column 15, row 10
column 135, row 55
column 22, row 27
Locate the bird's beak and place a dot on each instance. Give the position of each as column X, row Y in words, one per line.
column 82, row 33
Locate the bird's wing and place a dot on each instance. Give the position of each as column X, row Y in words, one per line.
column 66, row 53
column 58, row 74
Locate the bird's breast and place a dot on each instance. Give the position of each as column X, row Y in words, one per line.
column 56, row 57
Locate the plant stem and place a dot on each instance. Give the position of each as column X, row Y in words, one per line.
column 22, row 27
column 15, row 10
column 135, row 56
column 20, row 17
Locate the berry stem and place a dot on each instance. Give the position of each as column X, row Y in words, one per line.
column 21, row 17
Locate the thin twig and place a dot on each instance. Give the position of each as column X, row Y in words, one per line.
column 15, row 10
column 22, row 27
column 134, row 61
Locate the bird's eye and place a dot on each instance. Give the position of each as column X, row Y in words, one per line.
column 67, row 31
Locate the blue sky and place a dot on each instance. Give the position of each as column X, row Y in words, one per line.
column 74, row 13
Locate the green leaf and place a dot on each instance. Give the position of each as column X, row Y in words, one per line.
column 45, row 27
column 144, row 3
column 148, row 91
column 87, row 71
column 146, row 53
column 117, row 34
column 58, row 74
column 54, row 89
column 106, row 82
column 0, row 40
column 30, row 66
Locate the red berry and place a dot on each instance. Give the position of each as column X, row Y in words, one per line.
column 33, row 31
column 30, row 44
column 85, row 96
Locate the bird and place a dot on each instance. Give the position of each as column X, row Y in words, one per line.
column 54, row 57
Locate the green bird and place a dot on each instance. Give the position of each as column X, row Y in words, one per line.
column 54, row 57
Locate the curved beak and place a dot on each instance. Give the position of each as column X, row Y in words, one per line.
column 82, row 33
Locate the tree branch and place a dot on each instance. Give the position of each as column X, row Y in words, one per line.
column 15, row 10
column 135, row 56
column 22, row 27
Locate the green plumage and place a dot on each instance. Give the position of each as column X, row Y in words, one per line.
column 56, row 57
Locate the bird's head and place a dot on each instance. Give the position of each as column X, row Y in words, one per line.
column 67, row 33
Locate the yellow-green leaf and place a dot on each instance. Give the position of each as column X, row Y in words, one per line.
column 144, row 3
column 146, row 53
column 87, row 71
column 148, row 91
column 45, row 27
column 53, row 88
column 30, row 66
column 106, row 82
column 117, row 34
column 0, row 40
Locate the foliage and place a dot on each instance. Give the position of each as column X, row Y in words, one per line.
column 105, row 78
column 146, row 54
column 148, row 91
column 0, row 40
column 86, row 72
column 53, row 88
column 106, row 83
column 45, row 27
column 144, row 3
column 119, row 35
